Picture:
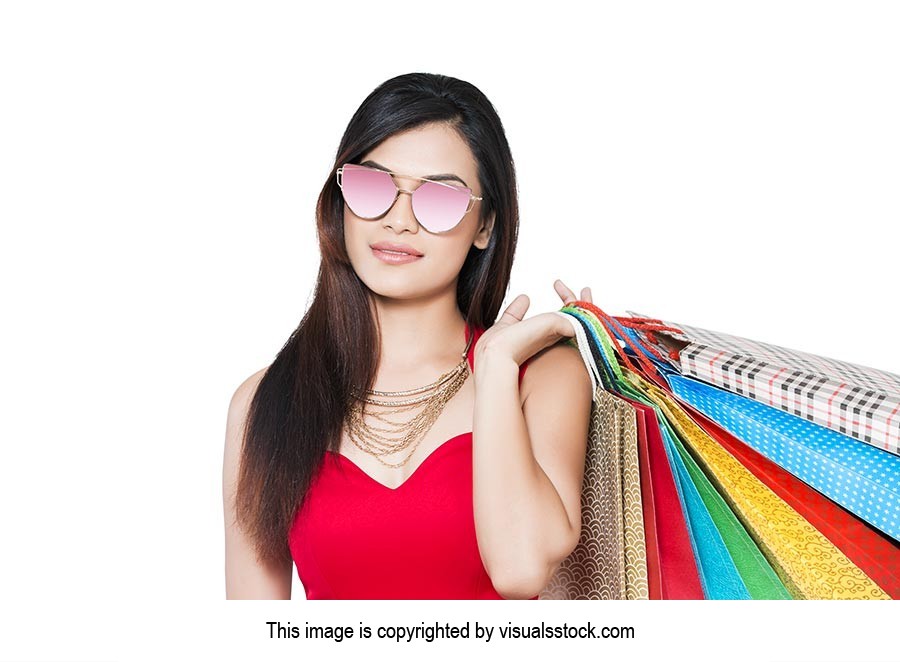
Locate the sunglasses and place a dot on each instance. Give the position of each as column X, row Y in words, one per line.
column 370, row 193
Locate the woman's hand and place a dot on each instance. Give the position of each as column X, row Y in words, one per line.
column 520, row 339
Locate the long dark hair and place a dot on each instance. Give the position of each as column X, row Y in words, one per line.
column 300, row 404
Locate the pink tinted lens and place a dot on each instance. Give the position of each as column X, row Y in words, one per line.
column 439, row 207
column 369, row 193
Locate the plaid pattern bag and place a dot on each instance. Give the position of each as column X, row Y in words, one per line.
column 860, row 402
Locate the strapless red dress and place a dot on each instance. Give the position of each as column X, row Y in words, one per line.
column 357, row 539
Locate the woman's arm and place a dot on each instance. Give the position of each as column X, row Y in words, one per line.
column 245, row 577
column 529, row 452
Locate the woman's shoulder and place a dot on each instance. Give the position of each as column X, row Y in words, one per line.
column 245, row 391
column 240, row 404
column 559, row 366
column 235, row 428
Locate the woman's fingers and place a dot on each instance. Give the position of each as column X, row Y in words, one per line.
column 564, row 292
column 568, row 296
column 515, row 311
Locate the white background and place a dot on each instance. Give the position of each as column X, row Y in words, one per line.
column 729, row 166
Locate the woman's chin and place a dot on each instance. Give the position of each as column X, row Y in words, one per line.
column 400, row 288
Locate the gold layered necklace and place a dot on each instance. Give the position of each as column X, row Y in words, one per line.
column 432, row 398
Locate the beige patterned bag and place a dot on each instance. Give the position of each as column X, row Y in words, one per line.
column 610, row 560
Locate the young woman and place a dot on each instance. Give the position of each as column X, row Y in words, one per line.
column 396, row 447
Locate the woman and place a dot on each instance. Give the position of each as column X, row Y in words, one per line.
column 477, row 493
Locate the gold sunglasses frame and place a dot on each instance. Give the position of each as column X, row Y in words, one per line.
column 472, row 198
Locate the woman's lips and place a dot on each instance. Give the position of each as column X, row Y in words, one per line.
column 395, row 258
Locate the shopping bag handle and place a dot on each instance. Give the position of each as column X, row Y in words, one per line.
column 583, row 348
column 608, row 322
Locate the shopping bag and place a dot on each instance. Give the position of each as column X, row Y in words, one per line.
column 854, row 473
column 730, row 564
column 872, row 551
column 671, row 566
column 858, row 401
column 807, row 563
column 655, row 580
column 858, row 476
column 609, row 561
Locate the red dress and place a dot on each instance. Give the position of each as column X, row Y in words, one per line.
column 357, row 539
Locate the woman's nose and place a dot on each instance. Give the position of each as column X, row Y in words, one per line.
column 401, row 215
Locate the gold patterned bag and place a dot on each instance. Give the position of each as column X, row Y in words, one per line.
column 610, row 560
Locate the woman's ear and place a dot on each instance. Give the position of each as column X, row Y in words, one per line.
column 484, row 232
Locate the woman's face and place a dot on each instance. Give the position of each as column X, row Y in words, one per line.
column 421, row 152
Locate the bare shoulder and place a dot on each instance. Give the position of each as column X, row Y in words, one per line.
column 234, row 429
column 247, row 388
column 558, row 368
column 243, row 395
